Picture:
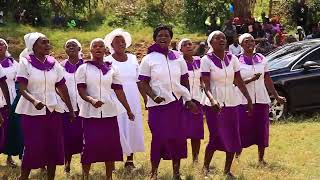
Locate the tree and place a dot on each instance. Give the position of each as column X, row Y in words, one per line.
column 243, row 8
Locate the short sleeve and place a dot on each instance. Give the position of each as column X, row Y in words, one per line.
column 22, row 73
column 60, row 74
column 136, row 65
column 205, row 66
column 266, row 67
column 235, row 63
column 81, row 76
column 144, row 70
column 116, row 79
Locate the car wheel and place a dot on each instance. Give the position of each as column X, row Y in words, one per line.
column 277, row 111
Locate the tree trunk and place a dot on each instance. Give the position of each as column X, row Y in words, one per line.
column 243, row 8
column 56, row 6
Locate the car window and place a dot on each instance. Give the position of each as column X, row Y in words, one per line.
column 313, row 56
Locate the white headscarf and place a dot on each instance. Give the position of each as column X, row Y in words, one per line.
column 244, row 36
column 7, row 51
column 79, row 45
column 94, row 41
column 117, row 32
column 210, row 38
column 29, row 40
column 181, row 42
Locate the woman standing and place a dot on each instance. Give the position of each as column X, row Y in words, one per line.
column 12, row 145
column 39, row 76
column 117, row 42
column 73, row 140
column 164, row 78
column 220, row 71
column 96, row 82
column 254, row 70
column 194, row 122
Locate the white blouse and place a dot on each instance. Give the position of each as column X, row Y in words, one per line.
column 221, row 79
column 42, row 85
column 194, row 72
column 10, row 72
column 98, row 86
column 164, row 76
column 257, row 89
column 71, row 84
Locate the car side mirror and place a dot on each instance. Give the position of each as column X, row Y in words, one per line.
column 310, row 65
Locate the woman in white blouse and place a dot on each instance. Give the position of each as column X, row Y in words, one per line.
column 11, row 146
column 220, row 73
column 39, row 76
column 97, row 81
column 194, row 122
column 131, row 131
column 164, row 78
column 73, row 140
column 254, row 71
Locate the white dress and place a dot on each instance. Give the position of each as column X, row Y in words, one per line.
column 131, row 132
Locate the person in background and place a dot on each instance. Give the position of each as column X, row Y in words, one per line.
column 73, row 140
column 300, row 33
column 13, row 144
column 194, row 122
column 230, row 31
column 117, row 42
column 264, row 47
column 201, row 49
column 254, row 129
column 235, row 48
column 315, row 32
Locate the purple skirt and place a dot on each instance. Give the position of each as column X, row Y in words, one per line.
column 224, row 129
column 255, row 129
column 101, row 140
column 73, row 135
column 3, row 129
column 194, row 123
column 43, row 140
column 167, row 127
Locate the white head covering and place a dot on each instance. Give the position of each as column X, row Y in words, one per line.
column 7, row 51
column 181, row 42
column 210, row 38
column 117, row 32
column 79, row 45
column 244, row 36
column 29, row 40
column 94, row 41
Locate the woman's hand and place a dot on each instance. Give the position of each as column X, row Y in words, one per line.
column 158, row 99
column 256, row 76
column 192, row 107
column 72, row 116
column 96, row 103
column 215, row 105
column 281, row 100
column 130, row 115
column 38, row 104
column 250, row 107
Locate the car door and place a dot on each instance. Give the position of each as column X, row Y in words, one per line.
column 304, row 86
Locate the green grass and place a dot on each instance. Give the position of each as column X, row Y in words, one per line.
column 293, row 154
column 141, row 35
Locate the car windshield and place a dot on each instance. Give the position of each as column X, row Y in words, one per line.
column 285, row 55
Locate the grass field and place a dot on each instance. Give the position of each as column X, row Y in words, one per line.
column 293, row 154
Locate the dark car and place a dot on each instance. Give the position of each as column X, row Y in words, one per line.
column 295, row 70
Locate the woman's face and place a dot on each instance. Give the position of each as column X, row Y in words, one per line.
column 163, row 38
column 72, row 49
column 42, row 46
column 98, row 50
column 187, row 48
column 218, row 42
column 119, row 44
column 248, row 44
column 3, row 48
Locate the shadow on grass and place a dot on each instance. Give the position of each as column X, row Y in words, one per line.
column 271, row 166
column 6, row 172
